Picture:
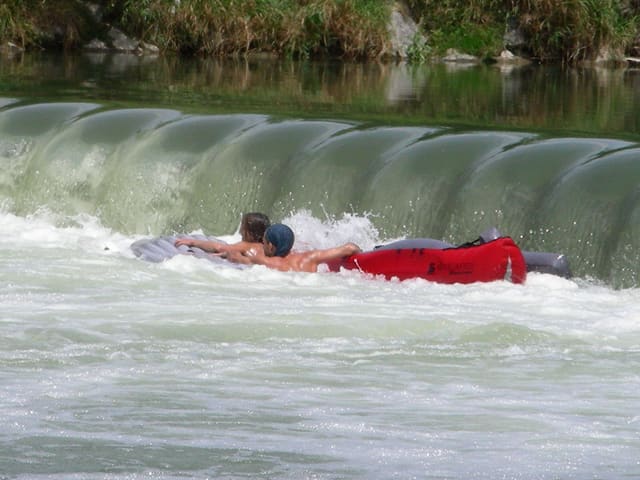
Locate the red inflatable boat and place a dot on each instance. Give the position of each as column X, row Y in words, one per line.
column 498, row 259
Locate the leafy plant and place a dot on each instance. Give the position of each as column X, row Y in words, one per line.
column 419, row 50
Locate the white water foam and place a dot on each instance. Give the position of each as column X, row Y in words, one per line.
column 187, row 370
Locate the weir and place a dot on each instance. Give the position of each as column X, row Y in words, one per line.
column 159, row 171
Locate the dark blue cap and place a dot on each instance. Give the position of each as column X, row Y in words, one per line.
column 281, row 237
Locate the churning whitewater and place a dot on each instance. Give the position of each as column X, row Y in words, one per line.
column 112, row 367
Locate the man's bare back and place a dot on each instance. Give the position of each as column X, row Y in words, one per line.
column 276, row 254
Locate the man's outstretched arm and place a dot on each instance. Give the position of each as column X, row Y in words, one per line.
column 326, row 255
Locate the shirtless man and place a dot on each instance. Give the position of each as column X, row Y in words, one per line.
column 252, row 228
column 277, row 254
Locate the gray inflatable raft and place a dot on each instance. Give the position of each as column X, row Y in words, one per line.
column 160, row 249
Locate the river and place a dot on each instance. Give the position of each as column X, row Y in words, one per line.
column 115, row 368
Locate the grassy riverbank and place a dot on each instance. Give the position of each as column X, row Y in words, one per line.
column 552, row 30
column 568, row 31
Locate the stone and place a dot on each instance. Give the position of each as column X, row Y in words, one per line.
column 10, row 49
column 609, row 55
column 454, row 56
column 96, row 45
column 403, row 31
column 149, row 48
column 121, row 42
column 508, row 57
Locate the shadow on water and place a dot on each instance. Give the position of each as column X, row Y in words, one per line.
column 548, row 155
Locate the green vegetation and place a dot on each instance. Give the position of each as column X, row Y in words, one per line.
column 474, row 27
column 582, row 28
column 46, row 23
column 568, row 30
column 296, row 28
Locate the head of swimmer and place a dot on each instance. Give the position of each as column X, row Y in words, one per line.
column 278, row 240
column 253, row 226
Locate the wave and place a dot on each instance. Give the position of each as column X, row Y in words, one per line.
column 158, row 171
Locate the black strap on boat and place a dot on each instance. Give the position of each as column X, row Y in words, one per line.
column 473, row 243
